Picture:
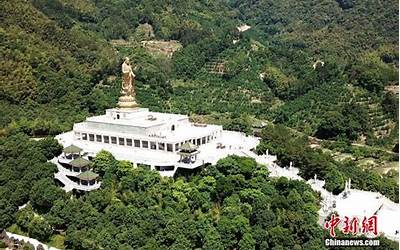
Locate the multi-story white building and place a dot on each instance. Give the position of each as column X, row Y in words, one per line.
column 163, row 142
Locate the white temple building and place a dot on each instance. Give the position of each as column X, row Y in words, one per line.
column 163, row 142
column 159, row 141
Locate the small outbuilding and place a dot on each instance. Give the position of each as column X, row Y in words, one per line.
column 80, row 164
column 72, row 152
column 188, row 152
column 87, row 178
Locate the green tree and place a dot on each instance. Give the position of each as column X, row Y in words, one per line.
column 7, row 211
column 333, row 125
column 24, row 217
column 247, row 242
column 44, row 193
column 39, row 229
column 212, row 240
column 280, row 236
column 334, row 181
column 124, row 167
column 103, row 162
column 50, row 147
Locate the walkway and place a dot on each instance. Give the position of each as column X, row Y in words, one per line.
column 62, row 175
column 34, row 242
column 69, row 184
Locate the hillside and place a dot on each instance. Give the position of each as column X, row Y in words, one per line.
column 290, row 72
column 56, row 53
column 48, row 69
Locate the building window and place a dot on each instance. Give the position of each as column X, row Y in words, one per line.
column 203, row 140
column 145, row 144
column 106, row 139
column 98, row 138
column 129, row 142
column 161, row 146
column 84, row 136
column 153, row 145
column 208, row 138
column 91, row 137
column 164, row 168
column 173, row 128
column 169, row 147
column 198, row 142
column 176, row 146
column 121, row 141
column 118, row 116
column 113, row 140
column 137, row 143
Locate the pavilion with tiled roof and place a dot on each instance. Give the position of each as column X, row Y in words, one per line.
column 72, row 151
column 80, row 164
column 188, row 152
column 87, row 178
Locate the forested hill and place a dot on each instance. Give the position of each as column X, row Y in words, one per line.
column 54, row 52
column 345, row 28
column 310, row 71
column 358, row 43
column 48, row 65
column 61, row 63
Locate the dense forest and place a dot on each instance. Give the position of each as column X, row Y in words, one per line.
column 321, row 69
column 60, row 64
column 231, row 205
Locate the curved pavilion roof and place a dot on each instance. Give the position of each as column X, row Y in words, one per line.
column 72, row 149
column 188, row 147
column 87, row 176
column 80, row 162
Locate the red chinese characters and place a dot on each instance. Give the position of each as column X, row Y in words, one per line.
column 370, row 225
column 352, row 225
column 335, row 220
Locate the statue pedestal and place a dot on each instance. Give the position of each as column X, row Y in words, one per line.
column 127, row 101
